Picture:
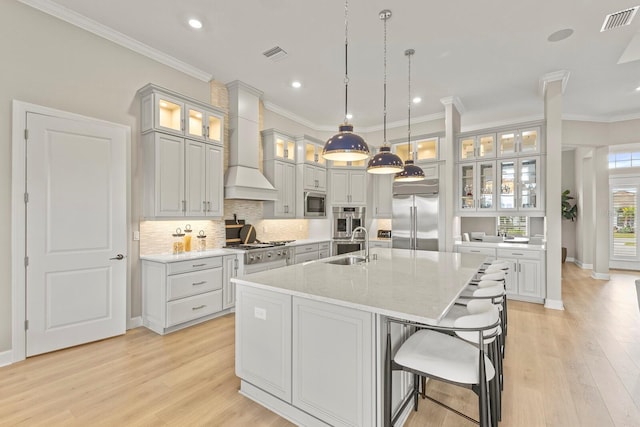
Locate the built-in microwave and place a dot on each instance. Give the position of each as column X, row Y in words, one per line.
column 314, row 204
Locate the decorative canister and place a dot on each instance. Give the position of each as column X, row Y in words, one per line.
column 187, row 238
column 201, row 241
column 178, row 243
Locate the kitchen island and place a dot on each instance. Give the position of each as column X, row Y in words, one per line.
column 310, row 338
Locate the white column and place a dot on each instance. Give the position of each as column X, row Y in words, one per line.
column 601, row 214
column 453, row 108
column 553, row 85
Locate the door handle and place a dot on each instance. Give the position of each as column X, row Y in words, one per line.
column 118, row 257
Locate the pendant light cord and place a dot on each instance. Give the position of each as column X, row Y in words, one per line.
column 346, row 59
column 409, row 53
column 384, row 119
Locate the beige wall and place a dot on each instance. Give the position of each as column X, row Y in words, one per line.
column 51, row 63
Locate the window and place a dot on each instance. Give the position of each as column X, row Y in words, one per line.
column 513, row 225
column 624, row 160
column 624, row 240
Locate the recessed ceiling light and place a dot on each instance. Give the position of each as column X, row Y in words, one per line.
column 349, row 116
column 296, row 84
column 638, row 89
column 560, row 35
column 417, row 100
column 194, row 23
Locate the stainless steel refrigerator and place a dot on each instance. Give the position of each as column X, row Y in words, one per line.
column 415, row 215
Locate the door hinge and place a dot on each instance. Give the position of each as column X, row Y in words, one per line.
column 26, row 325
column 26, row 261
column 26, row 134
column 26, row 197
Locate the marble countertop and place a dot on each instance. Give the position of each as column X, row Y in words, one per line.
column 412, row 285
column 307, row 242
column 502, row 245
column 189, row 255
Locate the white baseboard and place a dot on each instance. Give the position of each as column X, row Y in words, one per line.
column 571, row 259
column 134, row 322
column 600, row 276
column 554, row 304
column 582, row 265
column 6, row 358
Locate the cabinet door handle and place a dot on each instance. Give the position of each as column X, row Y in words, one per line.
column 315, row 157
column 200, row 307
column 208, row 206
column 207, row 134
column 204, row 206
column 204, row 131
column 286, row 153
column 182, row 124
column 199, row 283
column 516, row 254
column 474, row 250
column 198, row 265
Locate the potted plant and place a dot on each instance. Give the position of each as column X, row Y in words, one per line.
column 569, row 211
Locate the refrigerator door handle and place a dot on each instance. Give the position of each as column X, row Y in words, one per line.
column 410, row 227
column 415, row 228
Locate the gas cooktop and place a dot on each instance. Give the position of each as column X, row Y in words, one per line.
column 259, row 245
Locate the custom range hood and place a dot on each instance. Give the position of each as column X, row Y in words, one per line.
column 243, row 179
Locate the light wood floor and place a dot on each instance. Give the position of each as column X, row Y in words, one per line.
column 578, row 367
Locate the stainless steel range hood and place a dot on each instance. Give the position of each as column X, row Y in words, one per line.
column 243, row 179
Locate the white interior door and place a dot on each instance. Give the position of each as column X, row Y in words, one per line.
column 75, row 232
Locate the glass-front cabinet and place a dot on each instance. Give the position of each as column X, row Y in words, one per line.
column 423, row 149
column 520, row 184
column 477, row 147
column 310, row 150
column 477, row 186
column 203, row 125
column 278, row 145
column 521, row 141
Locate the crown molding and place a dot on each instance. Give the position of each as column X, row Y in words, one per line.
column 291, row 116
column 514, row 121
column 403, row 123
column 237, row 84
column 114, row 36
column 455, row 101
column 562, row 75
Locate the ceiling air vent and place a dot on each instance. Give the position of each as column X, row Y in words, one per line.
column 275, row 53
column 619, row 19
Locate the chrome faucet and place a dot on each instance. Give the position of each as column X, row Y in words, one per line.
column 366, row 240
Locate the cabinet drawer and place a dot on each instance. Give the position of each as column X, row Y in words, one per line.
column 311, row 256
column 473, row 250
column 197, row 282
column 324, row 246
column 519, row 253
column 191, row 308
column 307, row 248
column 194, row 265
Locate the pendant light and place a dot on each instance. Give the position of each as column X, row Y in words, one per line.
column 411, row 172
column 346, row 145
column 385, row 162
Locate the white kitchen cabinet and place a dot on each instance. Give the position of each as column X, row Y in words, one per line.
column 277, row 145
column 477, row 147
column 333, row 363
column 521, row 188
column 310, row 252
column 231, row 266
column 182, row 293
column 309, row 150
column 169, row 112
column 282, row 176
column 489, row 252
column 516, row 142
column 324, row 250
column 263, row 340
column 476, row 187
column 382, row 195
column 422, row 149
column 526, row 278
column 348, row 187
column 314, row 178
column 380, row 243
column 182, row 177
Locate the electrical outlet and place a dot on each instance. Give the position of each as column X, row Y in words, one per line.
column 136, row 236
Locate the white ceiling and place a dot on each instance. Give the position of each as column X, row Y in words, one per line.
column 488, row 53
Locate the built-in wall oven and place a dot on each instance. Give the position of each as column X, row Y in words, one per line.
column 345, row 220
column 314, row 204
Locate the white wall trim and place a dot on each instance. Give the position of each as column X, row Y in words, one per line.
column 117, row 37
column 554, row 304
column 582, row 265
column 561, row 75
column 600, row 276
column 6, row 358
column 18, row 225
column 571, row 259
column 134, row 322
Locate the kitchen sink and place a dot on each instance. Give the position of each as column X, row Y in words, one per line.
column 349, row 260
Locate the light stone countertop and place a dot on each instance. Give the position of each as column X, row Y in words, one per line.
column 166, row 258
column 414, row 285
column 306, row 242
column 502, row 245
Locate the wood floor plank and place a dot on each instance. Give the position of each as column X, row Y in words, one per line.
column 577, row 367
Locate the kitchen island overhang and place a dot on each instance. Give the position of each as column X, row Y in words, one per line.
column 310, row 338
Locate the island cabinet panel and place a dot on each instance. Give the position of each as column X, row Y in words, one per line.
column 263, row 340
column 333, row 363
